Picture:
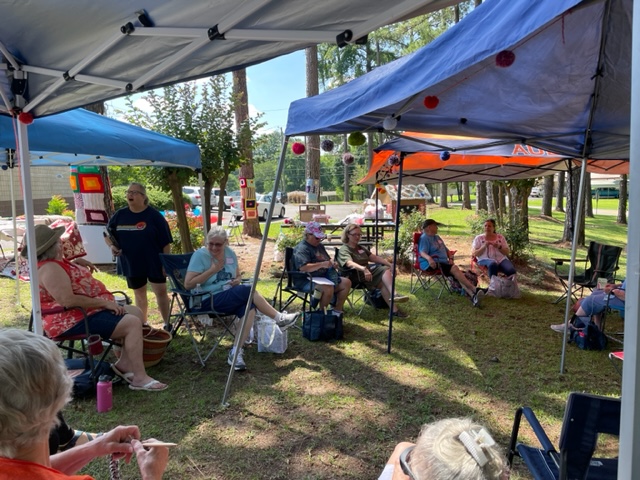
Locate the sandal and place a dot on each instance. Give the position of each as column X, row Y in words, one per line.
column 79, row 438
column 150, row 386
column 127, row 377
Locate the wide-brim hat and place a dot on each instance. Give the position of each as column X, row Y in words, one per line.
column 45, row 238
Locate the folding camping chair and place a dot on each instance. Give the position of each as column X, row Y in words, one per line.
column 616, row 359
column 286, row 285
column 585, row 417
column 68, row 342
column 217, row 323
column 358, row 289
column 425, row 278
column 616, row 336
column 601, row 261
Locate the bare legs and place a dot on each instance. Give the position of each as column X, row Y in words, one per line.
column 160, row 291
column 385, row 289
column 341, row 291
column 466, row 284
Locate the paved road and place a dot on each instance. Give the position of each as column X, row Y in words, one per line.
column 335, row 211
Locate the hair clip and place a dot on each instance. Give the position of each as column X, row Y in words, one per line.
column 474, row 441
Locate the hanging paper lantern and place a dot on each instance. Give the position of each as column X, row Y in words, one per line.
column 347, row 158
column 298, row 148
column 393, row 160
column 356, row 139
column 444, row 156
column 382, row 191
column 327, row 145
column 25, row 118
column 505, row 58
column 390, row 122
column 431, row 101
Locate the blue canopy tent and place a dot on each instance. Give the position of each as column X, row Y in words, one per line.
column 554, row 74
column 81, row 137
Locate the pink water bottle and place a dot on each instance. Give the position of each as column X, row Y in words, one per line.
column 104, row 394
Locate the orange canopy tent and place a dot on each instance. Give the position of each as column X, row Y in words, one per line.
column 448, row 158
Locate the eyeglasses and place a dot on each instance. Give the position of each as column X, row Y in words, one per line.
column 216, row 244
column 355, row 234
column 404, row 462
column 133, row 192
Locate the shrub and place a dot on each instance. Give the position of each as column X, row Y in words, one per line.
column 57, row 205
column 196, row 231
column 289, row 237
column 409, row 223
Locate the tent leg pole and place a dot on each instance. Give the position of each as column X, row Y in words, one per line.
column 395, row 253
column 256, row 273
column 577, row 215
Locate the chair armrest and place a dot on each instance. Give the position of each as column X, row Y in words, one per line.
column 538, row 430
column 560, row 261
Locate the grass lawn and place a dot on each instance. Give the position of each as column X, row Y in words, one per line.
column 335, row 410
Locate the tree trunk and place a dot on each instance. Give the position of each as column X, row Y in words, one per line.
column 560, row 193
column 347, row 181
column 622, row 203
column 466, row 196
column 313, row 141
column 251, row 226
column 588, row 201
column 181, row 216
column 481, row 196
column 547, row 196
column 443, row 195
column 572, row 203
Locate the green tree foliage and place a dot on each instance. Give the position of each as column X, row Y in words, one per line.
column 201, row 113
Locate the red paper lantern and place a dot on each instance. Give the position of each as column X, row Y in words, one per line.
column 505, row 58
column 431, row 101
column 26, row 118
column 298, row 148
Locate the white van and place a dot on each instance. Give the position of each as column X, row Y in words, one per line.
column 535, row 192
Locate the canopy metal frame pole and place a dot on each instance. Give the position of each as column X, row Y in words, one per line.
column 629, row 450
column 577, row 218
column 11, row 160
column 25, row 170
column 256, row 273
column 395, row 254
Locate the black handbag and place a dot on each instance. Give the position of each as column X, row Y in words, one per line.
column 318, row 325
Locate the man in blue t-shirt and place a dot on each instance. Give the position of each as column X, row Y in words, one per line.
column 435, row 255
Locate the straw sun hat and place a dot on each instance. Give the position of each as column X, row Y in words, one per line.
column 45, row 238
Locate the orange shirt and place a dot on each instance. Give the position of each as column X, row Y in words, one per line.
column 11, row 469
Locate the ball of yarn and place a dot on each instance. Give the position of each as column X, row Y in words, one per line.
column 327, row 145
column 356, row 139
column 347, row 158
column 393, row 160
column 298, row 148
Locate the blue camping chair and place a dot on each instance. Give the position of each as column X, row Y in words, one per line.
column 214, row 323
column 586, row 416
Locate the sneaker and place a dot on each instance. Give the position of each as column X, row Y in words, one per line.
column 287, row 320
column 477, row 298
column 240, row 365
column 558, row 328
column 400, row 314
column 400, row 299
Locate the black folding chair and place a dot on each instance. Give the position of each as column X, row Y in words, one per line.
column 217, row 323
column 586, row 416
column 601, row 262
column 286, row 291
column 359, row 291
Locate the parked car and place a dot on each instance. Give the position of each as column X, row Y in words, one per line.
column 194, row 195
column 605, row 192
column 263, row 201
column 535, row 192
column 215, row 197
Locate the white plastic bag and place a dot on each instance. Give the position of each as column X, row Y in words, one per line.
column 504, row 287
column 271, row 338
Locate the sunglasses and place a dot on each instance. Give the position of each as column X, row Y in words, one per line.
column 216, row 244
column 404, row 462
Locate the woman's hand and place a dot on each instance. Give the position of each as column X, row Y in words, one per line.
column 368, row 276
column 235, row 282
column 115, row 308
column 152, row 461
